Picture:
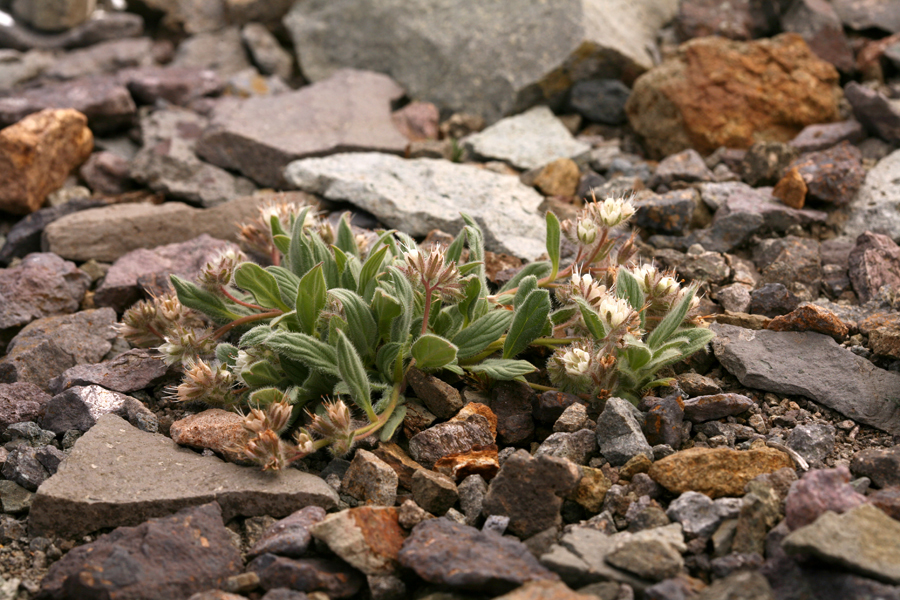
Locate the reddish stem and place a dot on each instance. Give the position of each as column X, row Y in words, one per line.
column 241, row 302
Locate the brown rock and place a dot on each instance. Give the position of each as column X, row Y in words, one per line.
column 883, row 330
column 370, row 479
column 219, row 430
column 559, row 178
column 591, row 489
column 716, row 472
column 826, row 135
column 399, row 461
column 42, row 285
column 452, row 437
column 833, row 175
column 438, row 396
column 478, row 408
column 511, row 403
column 822, row 29
column 545, row 590
column 810, row 317
column 740, row 20
column 481, row 460
column 20, row 402
column 37, row 154
column 368, row 538
column 716, row 92
column 791, row 189
column 290, row 536
column 434, row 492
column 636, row 464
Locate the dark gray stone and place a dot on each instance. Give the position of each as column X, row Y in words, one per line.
column 671, row 212
column 80, row 407
column 812, row 441
column 25, row 236
column 290, row 536
column 826, row 135
column 23, row 467
column 699, row 515
column 448, row 438
column 718, row 406
column 20, row 402
column 105, row 25
column 619, row 433
column 174, row 85
column 333, row 577
column 578, row 446
column 812, row 365
column 130, row 371
column 772, row 300
column 600, row 100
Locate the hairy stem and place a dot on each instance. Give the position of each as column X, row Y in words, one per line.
column 244, row 320
column 228, row 295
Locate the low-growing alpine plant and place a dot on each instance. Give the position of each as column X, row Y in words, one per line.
column 330, row 321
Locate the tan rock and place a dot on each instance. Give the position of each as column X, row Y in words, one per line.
column 716, row 472
column 369, row 538
column 559, row 178
column 810, row 317
column 591, row 489
column 883, row 330
column 544, row 590
column 716, row 92
column 636, row 464
column 219, row 430
column 791, row 189
column 482, row 460
column 37, row 154
column 399, row 461
column 479, row 409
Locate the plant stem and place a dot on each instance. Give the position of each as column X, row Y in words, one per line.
column 244, row 320
column 426, row 310
column 542, row 388
column 241, row 302
column 380, row 421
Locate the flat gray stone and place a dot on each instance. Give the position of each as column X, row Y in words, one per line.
column 876, row 207
column 812, row 365
column 167, row 162
column 527, row 141
column 117, row 475
column 419, row 195
column 351, row 111
column 109, row 232
column 480, row 57
column 863, row 540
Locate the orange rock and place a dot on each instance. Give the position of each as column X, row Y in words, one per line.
column 883, row 330
column 716, row 472
column 481, row 460
column 791, row 189
column 716, row 92
column 37, row 154
column 219, row 430
column 810, row 317
column 368, row 537
column 478, row 409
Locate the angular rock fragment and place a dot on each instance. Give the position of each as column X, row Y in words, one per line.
column 130, row 371
column 290, row 536
column 370, row 480
column 80, row 498
column 368, row 538
column 80, row 407
column 335, row 578
column 42, row 285
column 448, row 438
column 221, row 431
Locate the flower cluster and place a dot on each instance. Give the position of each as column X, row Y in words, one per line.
column 259, row 236
column 149, row 322
column 583, row 368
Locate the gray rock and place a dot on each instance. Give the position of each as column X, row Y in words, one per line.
column 878, row 14
column 472, row 491
column 882, row 466
column 167, row 162
column 875, row 207
column 102, row 99
column 424, row 194
column 578, row 446
column 106, row 57
column 47, row 347
column 874, row 262
column 53, row 15
column 671, row 212
column 746, row 585
column 28, row 432
column 370, row 479
column 80, row 407
column 170, row 557
column 121, row 288
column 17, row 67
column 14, row 498
column 118, row 475
column 812, row 365
column 527, row 141
column 260, row 136
column 772, row 300
column 105, row 25
column 105, row 234
column 572, row 419
column 687, row 165
column 699, row 515
column 648, row 559
column 105, row 173
column 812, row 441
column 42, row 285
column 268, row 55
column 460, row 557
column 439, row 397
column 23, row 468
column 600, row 100
column 619, row 433
column 863, row 540
column 130, row 371
column 484, row 61
column 820, row 26
column 221, row 51
column 530, row 490
column 290, row 536
column 823, row 136
column 175, row 85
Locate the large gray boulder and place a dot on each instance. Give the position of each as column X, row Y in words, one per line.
column 488, row 58
column 812, row 365
column 876, row 206
column 419, row 195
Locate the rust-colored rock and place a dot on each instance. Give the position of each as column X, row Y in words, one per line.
column 791, row 189
column 481, row 460
column 369, row 538
column 37, row 154
column 716, row 92
column 716, row 472
column 591, row 489
column 399, row 461
column 219, row 430
column 810, row 317
column 883, row 330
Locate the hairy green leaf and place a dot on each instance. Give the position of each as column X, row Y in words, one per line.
column 592, row 320
column 539, row 269
column 344, row 239
column 502, row 369
column 371, row 268
column 627, row 287
column 393, row 422
column 314, row 353
column 193, row 296
column 482, row 332
column 525, row 287
column 362, row 328
column 528, row 323
column 672, row 320
column 310, row 300
column 262, row 284
column 353, row 374
column 226, row 353
column 431, row 352
column 553, row 246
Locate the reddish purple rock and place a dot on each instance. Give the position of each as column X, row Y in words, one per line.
column 20, row 402
column 874, row 262
column 819, row 491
